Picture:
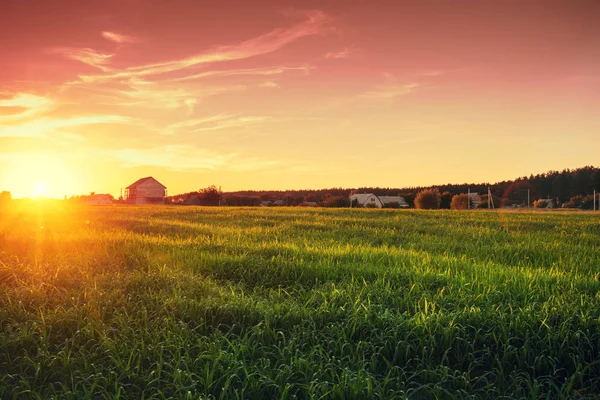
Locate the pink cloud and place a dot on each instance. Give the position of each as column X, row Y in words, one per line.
column 116, row 37
column 260, row 45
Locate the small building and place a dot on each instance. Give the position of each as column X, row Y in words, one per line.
column 475, row 199
column 370, row 200
column 146, row 191
column 393, row 201
column 279, row 203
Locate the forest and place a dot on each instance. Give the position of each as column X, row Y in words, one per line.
column 567, row 188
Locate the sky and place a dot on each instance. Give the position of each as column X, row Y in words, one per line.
column 293, row 94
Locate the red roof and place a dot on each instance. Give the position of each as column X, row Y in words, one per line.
column 144, row 180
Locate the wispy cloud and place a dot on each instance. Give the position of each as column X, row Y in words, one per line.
column 263, row 44
column 390, row 91
column 118, row 38
column 186, row 157
column 344, row 53
column 269, row 84
column 252, row 71
column 51, row 128
column 24, row 105
column 239, row 122
column 159, row 95
column 192, row 123
column 86, row 55
column 173, row 157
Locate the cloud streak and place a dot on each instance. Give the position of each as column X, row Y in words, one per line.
column 51, row 127
column 252, row 71
column 86, row 55
column 389, row 91
column 345, row 53
column 118, row 38
column 264, row 44
column 26, row 104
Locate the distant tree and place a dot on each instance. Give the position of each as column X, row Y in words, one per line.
column 574, row 202
column 445, row 200
column 541, row 203
column 209, row 196
column 484, row 201
column 587, row 203
column 335, row 201
column 5, row 198
column 428, row 199
column 460, row 202
column 409, row 197
column 596, row 180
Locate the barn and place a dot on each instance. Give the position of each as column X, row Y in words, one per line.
column 369, row 200
column 146, row 191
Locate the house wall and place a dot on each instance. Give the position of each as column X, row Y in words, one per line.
column 148, row 192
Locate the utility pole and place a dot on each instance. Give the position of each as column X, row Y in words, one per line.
column 490, row 199
column 528, row 190
column 468, row 198
column 594, row 200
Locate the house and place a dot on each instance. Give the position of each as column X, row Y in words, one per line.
column 97, row 199
column 391, row 201
column 146, row 191
column 475, row 199
column 266, row 203
column 279, row 203
column 369, row 200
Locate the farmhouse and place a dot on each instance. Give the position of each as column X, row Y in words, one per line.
column 146, row 191
column 475, row 199
column 370, row 200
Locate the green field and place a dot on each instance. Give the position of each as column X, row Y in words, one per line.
column 161, row 302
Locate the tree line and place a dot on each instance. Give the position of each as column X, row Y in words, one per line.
column 568, row 188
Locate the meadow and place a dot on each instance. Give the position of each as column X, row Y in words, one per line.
column 285, row 303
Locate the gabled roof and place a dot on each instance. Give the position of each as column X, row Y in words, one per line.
column 144, row 180
column 361, row 197
column 391, row 199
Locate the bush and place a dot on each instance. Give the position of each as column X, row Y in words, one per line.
column 446, row 200
column 392, row 204
column 583, row 202
column 541, row 203
column 460, row 202
column 428, row 199
column 484, row 201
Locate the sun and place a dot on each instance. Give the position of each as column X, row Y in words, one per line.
column 40, row 189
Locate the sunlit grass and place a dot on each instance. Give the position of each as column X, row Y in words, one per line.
column 160, row 302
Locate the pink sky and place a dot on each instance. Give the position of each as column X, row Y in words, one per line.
column 287, row 95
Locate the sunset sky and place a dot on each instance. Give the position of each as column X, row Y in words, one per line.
column 293, row 94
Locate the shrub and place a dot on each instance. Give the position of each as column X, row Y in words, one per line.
column 541, row 203
column 484, row 201
column 428, row 199
column 460, row 202
column 446, row 200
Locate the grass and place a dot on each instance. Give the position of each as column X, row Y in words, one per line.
column 194, row 303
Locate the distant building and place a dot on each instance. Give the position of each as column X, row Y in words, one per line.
column 369, row 200
column 146, row 191
column 475, row 199
column 279, row 203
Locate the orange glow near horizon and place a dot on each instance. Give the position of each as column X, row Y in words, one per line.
column 95, row 95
